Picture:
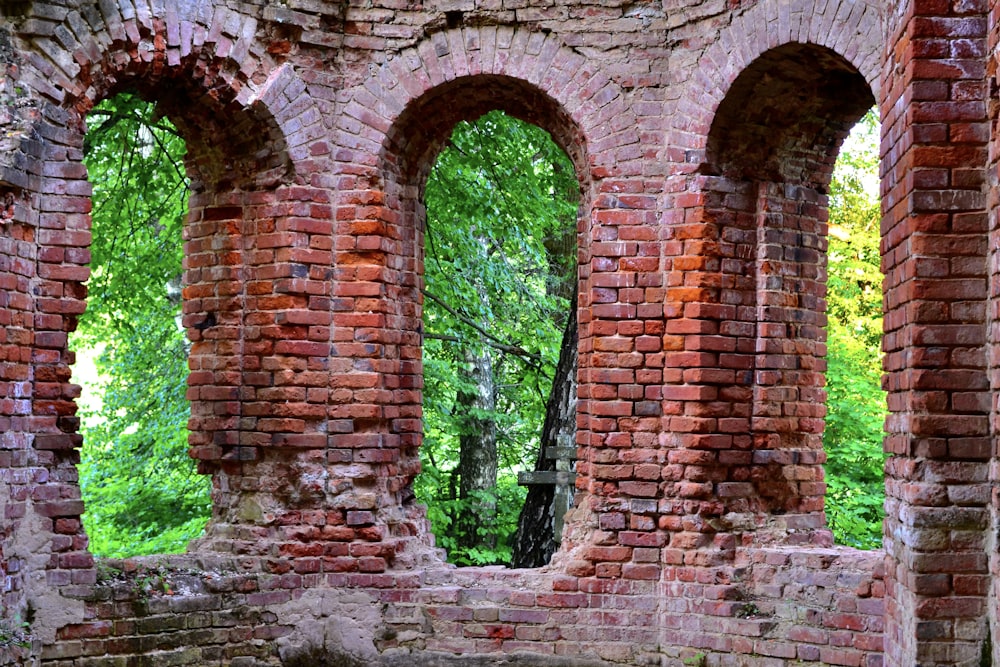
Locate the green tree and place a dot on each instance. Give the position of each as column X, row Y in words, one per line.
column 856, row 405
column 501, row 203
column 141, row 490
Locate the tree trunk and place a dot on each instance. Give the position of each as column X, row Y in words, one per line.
column 477, row 461
column 539, row 526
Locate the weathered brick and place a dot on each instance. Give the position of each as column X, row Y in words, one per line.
column 704, row 137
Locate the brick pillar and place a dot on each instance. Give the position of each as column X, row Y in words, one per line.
column 788, row 405
column 756, row 451
column 376, row 375
column 213, row 314
column 16, row 330
column 44, row 234
column 709, row 345
column 993, row 318
column 620, row 407
column 934, row 248
column 300, row 357
column 17, row 270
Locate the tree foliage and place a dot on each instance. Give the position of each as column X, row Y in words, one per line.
column 500, row 248
column 140, row 488
column 856, row 404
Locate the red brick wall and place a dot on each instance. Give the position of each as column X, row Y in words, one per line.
column 777, row 605
column 991, row 179
column 703, row 137
column 934, row 248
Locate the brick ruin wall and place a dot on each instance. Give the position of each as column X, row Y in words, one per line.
column 703, row 134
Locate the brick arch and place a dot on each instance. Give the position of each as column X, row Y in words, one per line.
column 191, row 63
column 394, row 126
column 852, row 30
column 761, row 121
column 586, row 97
column 249, row 125
column 423, row 128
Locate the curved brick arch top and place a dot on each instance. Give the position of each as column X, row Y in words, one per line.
column 854, row 30
column 423, row 129
column 392, row 129
column 785, row 116
column 750, row 272
column 526, row 72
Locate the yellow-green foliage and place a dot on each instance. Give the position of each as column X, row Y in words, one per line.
column 855, row 401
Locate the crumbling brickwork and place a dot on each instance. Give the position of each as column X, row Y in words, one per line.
column 703, row 133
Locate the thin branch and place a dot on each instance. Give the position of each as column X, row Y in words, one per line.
column 532, row 360
column 113, row 117
column 181, row 176
column 444, row 337
column 492, row 340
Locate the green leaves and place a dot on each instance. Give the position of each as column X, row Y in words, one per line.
column 134, row 161
column 500, row 249
column 499, row 193
column 141, row 490
column 856, row 404
column 491, row 543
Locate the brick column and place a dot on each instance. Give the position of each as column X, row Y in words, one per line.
column 934, row 255
column 44, row 234
column 213, row 314
column 993, row 319
column 788, row 405
column 709, row 345
column 17, row 269
column 756, row 450
column 376, row 378
column 16, row 330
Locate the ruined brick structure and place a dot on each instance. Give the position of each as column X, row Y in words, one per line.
column 703, row 134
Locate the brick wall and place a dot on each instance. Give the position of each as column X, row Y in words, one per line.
column 991, row 319
column 703, row 135
column 785, row 603
column 934, row 249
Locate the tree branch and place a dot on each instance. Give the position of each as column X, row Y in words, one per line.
column 112, row 117
column 444, row 337
column 491, row 340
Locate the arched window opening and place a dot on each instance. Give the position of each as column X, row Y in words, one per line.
column 500, row 342
column 141, row 490
column 768, row 175
column 856, row 403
